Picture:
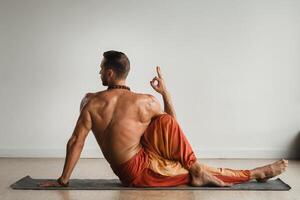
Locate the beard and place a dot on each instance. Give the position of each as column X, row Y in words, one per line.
column 104, row 82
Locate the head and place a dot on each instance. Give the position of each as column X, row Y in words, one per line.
column 114, row 67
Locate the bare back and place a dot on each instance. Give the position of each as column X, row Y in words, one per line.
column 119, row 119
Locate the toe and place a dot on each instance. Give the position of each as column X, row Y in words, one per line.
column 279, row 162
column 282, row 161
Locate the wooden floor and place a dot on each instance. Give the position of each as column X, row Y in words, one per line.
column 12, row 169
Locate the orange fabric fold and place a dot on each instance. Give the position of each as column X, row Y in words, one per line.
column 228, row 175
column 166, row 157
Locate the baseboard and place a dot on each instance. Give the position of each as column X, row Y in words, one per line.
column 245, row 153
column 47, row 153
column 200, row 153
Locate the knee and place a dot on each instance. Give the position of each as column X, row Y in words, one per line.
column 166, row 117
column 160, row 117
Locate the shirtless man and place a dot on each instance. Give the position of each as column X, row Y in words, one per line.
column 119, row 117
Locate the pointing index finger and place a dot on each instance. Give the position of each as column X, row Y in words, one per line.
column 159, row 72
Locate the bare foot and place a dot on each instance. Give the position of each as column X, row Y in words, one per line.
column 262, row 174
column 202, row 178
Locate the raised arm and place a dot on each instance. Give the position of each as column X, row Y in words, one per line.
column 161, row 88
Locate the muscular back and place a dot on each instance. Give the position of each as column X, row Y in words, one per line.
column 119, row 119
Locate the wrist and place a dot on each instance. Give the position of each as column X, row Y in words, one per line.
column 63, row 182
column 165, row 93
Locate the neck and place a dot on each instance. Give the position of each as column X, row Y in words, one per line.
column 118, row 82
column 118, row 85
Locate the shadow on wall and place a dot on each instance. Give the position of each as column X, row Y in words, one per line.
column 294, row 149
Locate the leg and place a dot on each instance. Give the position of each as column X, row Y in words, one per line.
column 233, row 176
column 165, row 139
column 228, row 176
column 262, row 174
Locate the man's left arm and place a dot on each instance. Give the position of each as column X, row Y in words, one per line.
column 76, row 141
column 75, row 144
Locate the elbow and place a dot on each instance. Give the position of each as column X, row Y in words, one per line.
column 75, row 143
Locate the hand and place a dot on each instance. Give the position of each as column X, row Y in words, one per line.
column 160, row 87
column 49, row 184
column 58, row 183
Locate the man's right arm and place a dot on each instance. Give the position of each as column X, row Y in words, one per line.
column 161, row 88
column 168, row 105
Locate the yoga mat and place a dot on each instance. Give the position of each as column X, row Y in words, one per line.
column 28, row 183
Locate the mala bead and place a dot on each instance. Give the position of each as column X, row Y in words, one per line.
column 118, row 87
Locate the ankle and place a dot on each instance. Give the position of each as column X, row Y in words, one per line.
column 195, row 168
column 254, row 174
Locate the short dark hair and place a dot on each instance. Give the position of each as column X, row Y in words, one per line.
column 118, row 62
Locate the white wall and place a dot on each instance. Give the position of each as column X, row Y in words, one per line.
column 232, row 68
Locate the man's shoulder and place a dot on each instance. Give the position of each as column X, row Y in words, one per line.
column 148, row 100
column 90, row 95
column 152, row 105
column 89, row 98
column 146, row 96
column 151, row 99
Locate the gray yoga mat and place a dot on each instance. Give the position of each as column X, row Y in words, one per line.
column 28, row 183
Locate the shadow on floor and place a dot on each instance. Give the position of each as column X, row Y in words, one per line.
column 131, row 195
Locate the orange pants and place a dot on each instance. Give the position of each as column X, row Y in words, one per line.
column 166, row 158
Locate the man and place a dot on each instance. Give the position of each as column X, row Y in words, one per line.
column 144, row 145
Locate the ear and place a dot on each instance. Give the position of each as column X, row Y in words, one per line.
column 110, row 72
